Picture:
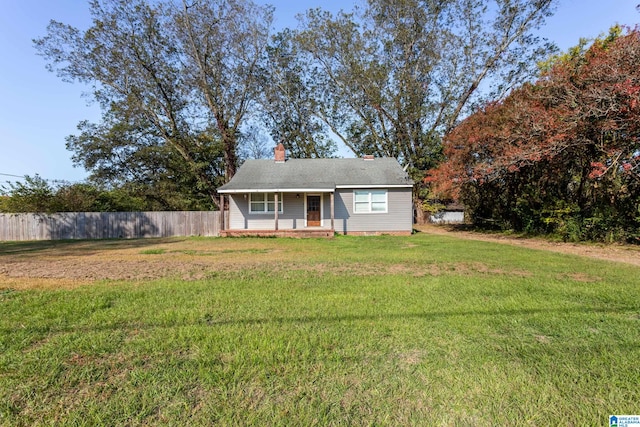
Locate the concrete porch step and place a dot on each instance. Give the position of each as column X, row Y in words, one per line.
column 299, row 233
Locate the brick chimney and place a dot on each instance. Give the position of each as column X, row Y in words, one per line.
column 279, row 153
column 368, row 157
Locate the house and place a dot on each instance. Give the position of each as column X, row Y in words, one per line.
column 318, row 197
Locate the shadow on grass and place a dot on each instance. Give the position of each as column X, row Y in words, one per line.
column 429, row 316
column 212, row 321
column 80, row 247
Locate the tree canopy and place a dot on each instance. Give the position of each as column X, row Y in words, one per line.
column 561, row 155
column 35, row 194
column 175, row 82
column 396, row 76
column 180, row 83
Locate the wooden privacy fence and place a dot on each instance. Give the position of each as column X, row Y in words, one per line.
column 108, row 225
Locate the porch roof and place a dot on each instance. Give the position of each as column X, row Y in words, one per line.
column 316, row 175
column 265, row 187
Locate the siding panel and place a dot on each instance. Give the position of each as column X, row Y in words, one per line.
column 399, row 217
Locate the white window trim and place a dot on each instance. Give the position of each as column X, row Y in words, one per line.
column 369, row 211
column 265, row 204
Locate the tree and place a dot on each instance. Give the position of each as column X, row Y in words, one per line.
column 287, row 101
column 175, row 82
column 255, row 143
column 224, row 43
column 396, row 76
column 35, row 194
column 561, row 153
column 131, row 159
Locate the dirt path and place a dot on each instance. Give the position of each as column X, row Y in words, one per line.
column 620, row 253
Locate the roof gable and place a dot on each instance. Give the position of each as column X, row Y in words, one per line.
column 316, row 174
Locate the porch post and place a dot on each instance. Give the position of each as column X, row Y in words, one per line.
column 276, row 209
column 221, row 212
column 332, row 211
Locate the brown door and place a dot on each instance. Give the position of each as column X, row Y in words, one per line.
column 313, row 211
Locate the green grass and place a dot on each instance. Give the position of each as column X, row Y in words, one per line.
column 155, row 251
column 420, row 330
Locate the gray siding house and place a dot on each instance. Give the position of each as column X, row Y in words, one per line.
column 318, row 197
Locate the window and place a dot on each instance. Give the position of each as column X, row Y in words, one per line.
column 264, row 202
column 370, row 201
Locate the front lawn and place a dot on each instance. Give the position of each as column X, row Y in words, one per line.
column 419, row 330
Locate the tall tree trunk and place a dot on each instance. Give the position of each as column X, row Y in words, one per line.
column 420, row 217
column 229, row 143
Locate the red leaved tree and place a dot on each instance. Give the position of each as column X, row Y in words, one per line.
column 567, row 146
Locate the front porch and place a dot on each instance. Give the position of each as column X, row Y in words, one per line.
column 283, row 212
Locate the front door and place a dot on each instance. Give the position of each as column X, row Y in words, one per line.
column 313, row 211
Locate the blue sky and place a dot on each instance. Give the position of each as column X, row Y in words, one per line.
column 38, row 110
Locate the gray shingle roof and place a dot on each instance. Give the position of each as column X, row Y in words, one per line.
column 316, row 174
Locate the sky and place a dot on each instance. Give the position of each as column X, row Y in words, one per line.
column 38, row 110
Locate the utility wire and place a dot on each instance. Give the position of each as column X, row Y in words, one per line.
column 53, row 181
